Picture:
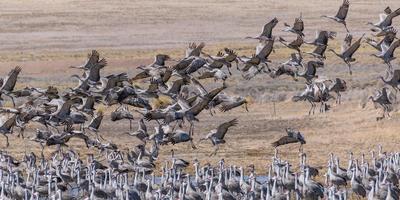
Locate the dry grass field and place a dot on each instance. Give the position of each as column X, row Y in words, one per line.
column 47, row 36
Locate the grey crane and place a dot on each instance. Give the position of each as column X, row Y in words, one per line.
column 266, row 33
column 41, row 137
column 88, row 103
column 338, row 85
column 311, row 189
column 194, row 49
column 109, row 82
column 291, row 137
column 389, row 35
column 6, row 127
column 187, row 112
column 179, row 136
column 318, row 52
column 348, row 50
column 336, row 179
column 217, row 100
column 63, row 138
column 195, row 65
column 131, row 96
column 83, row 84
column 158, row 63
column 217, row 135
column 231, row 56
column 357, row 187
column 93, row 75
column 8, row 83
column 341, row 15
column 253, row 71
column 95, row 123
column 289, row 67
column 160, row 59
column 284, row 69
column 151, row 71
column 263, row 50
column 175, row 88
column 222, row 59
column 62, row 112
column 322, row 38
column 183, row 63
column 141, row 132
column 309, row 72
column 298, row 26
column 217, row 74
column 315, row 93
column 233, row 102
column 386, row 19
column 92, row 60
column 294, row 60
column 392, row 78
column 385, row 99
column 178, row 163
column 387, row 53
column 295, row 44
column 122, row 113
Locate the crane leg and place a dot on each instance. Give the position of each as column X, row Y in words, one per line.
column 309, row 112
column 345, row 26
column 229, row 70
column 21, row 133
column 97, row 134
column 321, row 107
column 41, row 150
column 211, row 112
column 349, row 66
column 215, row 151
column 314, row 106
column 388, row 112
column 191, row 128
column 192, row 144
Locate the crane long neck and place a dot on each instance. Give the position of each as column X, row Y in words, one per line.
column 333, row 51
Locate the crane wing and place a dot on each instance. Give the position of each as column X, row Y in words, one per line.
column 223, row 128
column 393, row 15
column 353, row 48
column 284, row 140
column 226, row 106
column 343, row 10
column 199, row 86
column 11, row 79
column 267, row 29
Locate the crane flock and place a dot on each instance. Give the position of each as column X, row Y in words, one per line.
column 137, row 173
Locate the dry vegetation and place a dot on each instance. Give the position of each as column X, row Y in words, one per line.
column 47, row 36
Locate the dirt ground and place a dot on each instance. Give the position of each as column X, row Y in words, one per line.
column 45, row 37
